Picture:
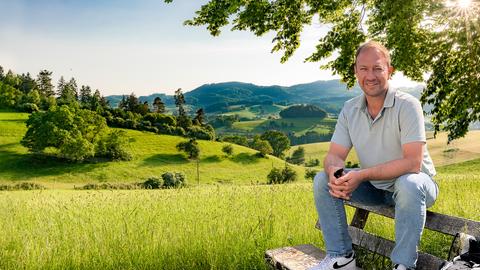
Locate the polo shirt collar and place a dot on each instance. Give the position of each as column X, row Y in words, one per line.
column 388, row 103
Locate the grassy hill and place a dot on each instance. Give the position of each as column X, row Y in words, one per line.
column 460, row 150
column 153, row 155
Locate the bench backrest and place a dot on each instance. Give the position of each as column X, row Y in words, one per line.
column 434, row 221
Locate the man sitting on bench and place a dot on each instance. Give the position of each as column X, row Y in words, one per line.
column 386, row 128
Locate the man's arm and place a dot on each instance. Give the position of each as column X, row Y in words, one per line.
column 411, row 162
column 335, row 160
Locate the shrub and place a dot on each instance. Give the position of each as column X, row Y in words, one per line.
column 115, row 186
column 236, row 139
column 277, row 176
column 190, row 147
column 262, row 146
column 227, row 149
column 28, row 107
column 298, row 156
column 153, row 183
column 200, row 133
column 23, row 186
column 173, row 180
column 349, row 164
column 310, row 174
column 312, row 163
column 113, row 146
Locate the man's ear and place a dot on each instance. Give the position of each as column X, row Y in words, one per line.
column 390, row 71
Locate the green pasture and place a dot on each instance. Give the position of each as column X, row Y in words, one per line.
column 153, row 155
column 298, row 125
column 207, row 227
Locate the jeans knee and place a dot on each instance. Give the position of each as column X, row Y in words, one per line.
column 320, row 182
column 409, row 190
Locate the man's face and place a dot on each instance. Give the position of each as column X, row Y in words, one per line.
column 372, row 72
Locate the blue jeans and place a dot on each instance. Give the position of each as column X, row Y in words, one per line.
column 412, row 194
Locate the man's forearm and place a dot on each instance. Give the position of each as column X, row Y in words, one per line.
column 332, row 161
column 390, row 170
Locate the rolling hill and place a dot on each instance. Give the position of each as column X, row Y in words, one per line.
column 153, row 155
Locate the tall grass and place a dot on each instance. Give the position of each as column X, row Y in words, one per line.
column 215, row 227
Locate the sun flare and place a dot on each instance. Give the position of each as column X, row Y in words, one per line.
column 464, row 3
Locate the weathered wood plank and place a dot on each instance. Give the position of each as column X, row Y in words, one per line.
column 300, row 257
column 435, row 221
column 359, row 219
column 384, row 247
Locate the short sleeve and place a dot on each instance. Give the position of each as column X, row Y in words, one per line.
column 341, row 135
column 412, row 125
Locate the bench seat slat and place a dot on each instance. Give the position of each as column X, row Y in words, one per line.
column 299, row 257
column 384, row 247
column 435, row 221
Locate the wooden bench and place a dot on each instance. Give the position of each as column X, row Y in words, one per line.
column 304, row 256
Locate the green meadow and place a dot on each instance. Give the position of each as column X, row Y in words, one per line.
column 153, row 155
column 226, row 222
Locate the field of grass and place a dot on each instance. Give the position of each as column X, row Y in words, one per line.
column 255, row 111
column 211, row 226
column 298, row 125
column 207, row 227
column 153, row 155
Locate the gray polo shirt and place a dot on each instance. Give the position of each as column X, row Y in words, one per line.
column 380, row 140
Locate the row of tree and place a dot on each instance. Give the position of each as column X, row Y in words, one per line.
column 25, row 93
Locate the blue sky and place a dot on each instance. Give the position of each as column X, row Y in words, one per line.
column 142, row 46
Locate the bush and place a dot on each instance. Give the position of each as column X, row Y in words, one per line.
column 349, row 164
column 158, row 119
column 23, row 186
column 28, row 107
column 153, row 183
column 277, row 176
column 174, row 180
column 310, row 174
column 227, row 149
column 190, row 147
column 236, row 139
column 298, row 156
column 262, row 146
column 114, row 186
column 312, row 163
column 113, row 146
column 200, row 133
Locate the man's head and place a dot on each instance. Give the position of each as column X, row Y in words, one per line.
column 372, row 68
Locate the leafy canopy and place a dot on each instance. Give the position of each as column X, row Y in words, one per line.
column 439, row 38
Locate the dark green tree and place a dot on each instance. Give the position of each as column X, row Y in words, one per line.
column 12, row 79
column 190, row 147
column 73, row 132
column 182, row 118
column 262, row 146
column 27, row 83
column 298, row 156
column 227, row 149
column 2, row 75
column 439, row 38
column 85, row 96
column 158, row 105
column 44, row 83
column 278, row 141
column 67, row 91
column 199, row 117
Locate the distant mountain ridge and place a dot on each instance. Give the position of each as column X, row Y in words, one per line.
column 330, row 94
